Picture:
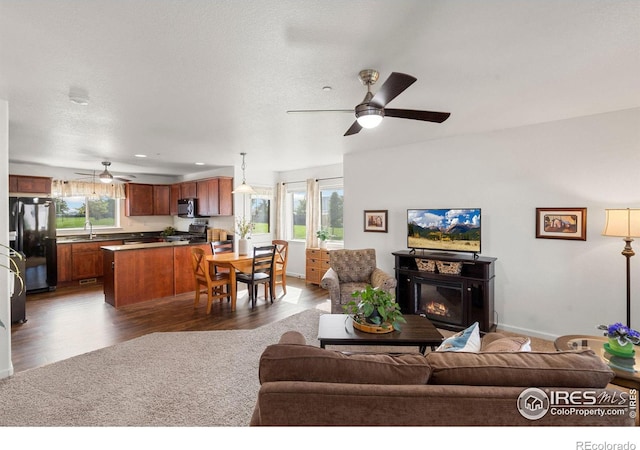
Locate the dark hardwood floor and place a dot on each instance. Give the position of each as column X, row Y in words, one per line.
column 75, row 320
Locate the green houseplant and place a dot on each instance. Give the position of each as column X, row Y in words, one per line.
column 12, row 267
column 376, row 307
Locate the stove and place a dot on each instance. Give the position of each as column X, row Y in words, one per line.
column 197, row 232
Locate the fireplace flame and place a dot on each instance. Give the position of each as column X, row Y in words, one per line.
column 438, row 309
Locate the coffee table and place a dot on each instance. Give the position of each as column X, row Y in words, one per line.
column 337, row 329
column 627, row 370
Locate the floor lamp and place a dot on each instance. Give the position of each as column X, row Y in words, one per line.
column 624, row 223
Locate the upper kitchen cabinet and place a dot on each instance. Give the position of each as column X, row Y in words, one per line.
column 215, row 197
column 161, row 200
column 174, row 196
column 147, row 199
column 189, row 189
column 29, row 185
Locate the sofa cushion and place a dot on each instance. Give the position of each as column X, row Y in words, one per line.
column 465, row 341
column 291, row 362
column 508, row 344
column 525, row 369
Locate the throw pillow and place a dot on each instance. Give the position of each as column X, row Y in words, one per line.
column 508, row 344
column 465, row 341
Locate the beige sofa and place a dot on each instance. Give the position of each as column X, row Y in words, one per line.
column 306, row 385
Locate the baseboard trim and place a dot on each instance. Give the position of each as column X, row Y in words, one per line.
column 527, row 332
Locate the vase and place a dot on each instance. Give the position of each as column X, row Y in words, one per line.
column 243, row 246
column 616, row 348
column 323, row 244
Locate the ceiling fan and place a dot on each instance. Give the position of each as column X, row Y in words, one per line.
column 105, row 176
column 370, row 112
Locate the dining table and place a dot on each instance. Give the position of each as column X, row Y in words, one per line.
column 232, row 261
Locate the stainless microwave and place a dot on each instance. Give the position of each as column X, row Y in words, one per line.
column 187, row 207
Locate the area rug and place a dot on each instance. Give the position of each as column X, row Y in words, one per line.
column 196, row 378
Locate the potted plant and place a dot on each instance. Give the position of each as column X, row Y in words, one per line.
column 376, row 312
column 13, row 268
column 243, row 229
column 168, row 231
column 621, row 339
column 323, row 234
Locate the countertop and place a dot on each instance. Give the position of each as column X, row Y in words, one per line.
column 83, row 238
column 117, row 248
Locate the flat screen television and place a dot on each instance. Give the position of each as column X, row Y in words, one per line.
column 447, row 230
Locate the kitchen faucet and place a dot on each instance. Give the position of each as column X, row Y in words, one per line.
column 91, row 235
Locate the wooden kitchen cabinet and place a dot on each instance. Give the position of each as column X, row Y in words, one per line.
column 29, row 185
column 161, row 200
column 174, row 196
column 65, row 269
column 317, row 262
column 139, row 201
column 225, row 196
column 215, row 197
column 147, row 199
column 86, row 259
column 189, row 189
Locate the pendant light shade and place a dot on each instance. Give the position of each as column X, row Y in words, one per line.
column 106, row 176
column 244, row 188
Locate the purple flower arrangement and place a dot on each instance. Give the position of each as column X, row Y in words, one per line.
column 622, row 333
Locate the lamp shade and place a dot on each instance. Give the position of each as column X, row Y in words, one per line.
column 622, row 223
column 244, row 188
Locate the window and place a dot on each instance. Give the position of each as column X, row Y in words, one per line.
column 331, row 205
column 74, row 212
column 299, row 215
column 260, row 208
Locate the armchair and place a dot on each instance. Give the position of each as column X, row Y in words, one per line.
column 350, row 271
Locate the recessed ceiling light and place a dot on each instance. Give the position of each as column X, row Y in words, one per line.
column 199, row 164
column 140, row 156
column 326, row 88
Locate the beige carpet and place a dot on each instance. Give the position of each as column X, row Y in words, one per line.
column 199, row 378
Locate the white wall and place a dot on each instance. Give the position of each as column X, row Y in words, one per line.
column 6, row 367
column 545, row 287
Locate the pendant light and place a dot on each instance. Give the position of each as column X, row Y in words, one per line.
column 244, row 188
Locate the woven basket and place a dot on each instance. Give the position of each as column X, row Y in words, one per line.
column 426, row 265
column 449, row 268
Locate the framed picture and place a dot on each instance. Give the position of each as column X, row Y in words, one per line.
column 561, row 223
column 375, row 221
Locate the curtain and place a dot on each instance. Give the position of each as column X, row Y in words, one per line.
column 281, row 195
column 313, row 212
column 62, row 188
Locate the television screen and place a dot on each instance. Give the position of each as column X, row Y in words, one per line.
column 449, row 230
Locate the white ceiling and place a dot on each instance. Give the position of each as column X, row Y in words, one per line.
column 203, row 80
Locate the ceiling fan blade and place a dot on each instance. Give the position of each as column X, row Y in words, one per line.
column 354, row 129
column 394, row 86
column 296, row 111
column 428, row 116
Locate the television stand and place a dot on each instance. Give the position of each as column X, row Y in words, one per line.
column 450, row 301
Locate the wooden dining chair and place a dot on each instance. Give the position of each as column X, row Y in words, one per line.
column 215, row 283
column 280, row 264
column 218, row 247
column 261, row 273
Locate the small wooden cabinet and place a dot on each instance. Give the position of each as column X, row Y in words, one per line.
column 147, row 199
column 161, row 199
column 29, row 185
column 317, row 263
column 189, row 189
column 81, row 261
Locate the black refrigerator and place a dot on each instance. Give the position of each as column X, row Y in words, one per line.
column 32, row 231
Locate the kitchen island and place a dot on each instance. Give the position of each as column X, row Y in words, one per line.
column 141, row 272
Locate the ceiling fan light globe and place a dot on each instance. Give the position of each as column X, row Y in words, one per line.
column 369, row 121
column 106, row 177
